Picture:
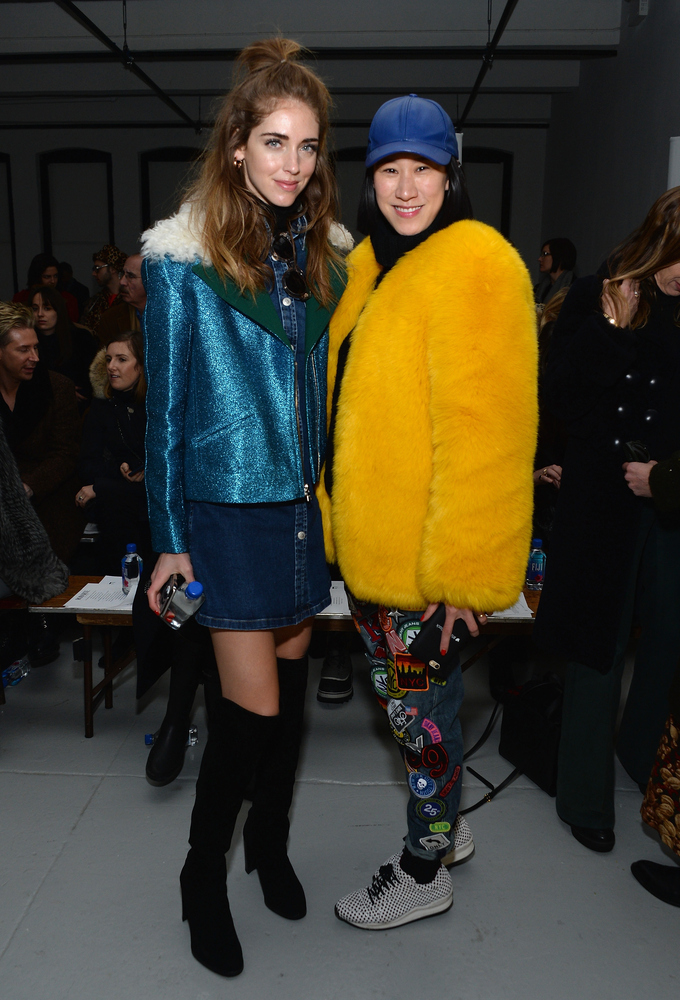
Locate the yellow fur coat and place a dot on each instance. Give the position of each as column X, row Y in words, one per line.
column 436, row 424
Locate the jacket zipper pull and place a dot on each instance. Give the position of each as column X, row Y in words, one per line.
column 308, row 495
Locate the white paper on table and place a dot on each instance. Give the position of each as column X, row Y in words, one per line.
column 107, row 595
column 339, row 604
column 520, row 609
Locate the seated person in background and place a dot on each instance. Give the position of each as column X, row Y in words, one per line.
column 64, row 346
column 556, row 263
column 127, row 314
column 112, row 456
column 42, row 427
column 68, row 283
column 107, row 265
column 44, row 270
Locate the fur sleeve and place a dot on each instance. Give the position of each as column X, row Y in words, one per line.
column 482, row 361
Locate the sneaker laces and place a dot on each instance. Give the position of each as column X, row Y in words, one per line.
column 381, row 882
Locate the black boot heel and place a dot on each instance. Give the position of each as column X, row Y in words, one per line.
column 281, row 888
column 205, row 906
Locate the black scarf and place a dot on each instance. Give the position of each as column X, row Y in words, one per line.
column 389, row 245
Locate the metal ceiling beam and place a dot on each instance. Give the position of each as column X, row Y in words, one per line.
column 125, row 58
column 472, row 53
column 487, row 58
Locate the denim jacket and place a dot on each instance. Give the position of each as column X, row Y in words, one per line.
column 222, row 401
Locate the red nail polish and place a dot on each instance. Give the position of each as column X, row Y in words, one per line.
column 443, row 652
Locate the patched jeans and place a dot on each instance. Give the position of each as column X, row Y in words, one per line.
column 423, row 715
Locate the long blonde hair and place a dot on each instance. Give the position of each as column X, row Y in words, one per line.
column 231, row 217
column 650, row 248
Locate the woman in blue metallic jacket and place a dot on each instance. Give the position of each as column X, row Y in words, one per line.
column 241, row 284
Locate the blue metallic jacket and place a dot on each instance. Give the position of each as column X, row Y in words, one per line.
column 222, row 402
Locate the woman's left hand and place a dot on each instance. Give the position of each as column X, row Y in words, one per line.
column 637, row 477
column 132, row 477
column 84, row 495
column 452, row 615
column 551, row 475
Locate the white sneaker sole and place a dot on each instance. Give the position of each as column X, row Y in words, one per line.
column 459, row 854
column 419, row 913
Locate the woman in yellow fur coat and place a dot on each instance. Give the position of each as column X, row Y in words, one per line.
column 427, row 493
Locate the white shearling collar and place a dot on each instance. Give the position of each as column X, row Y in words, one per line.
column 178, row 238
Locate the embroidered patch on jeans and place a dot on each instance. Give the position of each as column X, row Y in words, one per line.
column 379, row 681
column 429, row 726
column 440, row 827
column 436, row 842
column 414, row 755
column 431, row 810
column 393, row 689
column 451, row 782
column 435, row 759
column 411, row 674
column 422, row 785
column 399, row 715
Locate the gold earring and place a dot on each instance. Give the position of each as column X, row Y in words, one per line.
column 238, row 163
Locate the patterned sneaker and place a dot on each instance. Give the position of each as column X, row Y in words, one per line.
column 335, row 683
column 463, row 844
column 394, row 898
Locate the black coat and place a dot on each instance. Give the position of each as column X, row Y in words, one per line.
column 609, row 386
column 113, row 433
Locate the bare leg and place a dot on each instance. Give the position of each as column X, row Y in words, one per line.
column 247, row 663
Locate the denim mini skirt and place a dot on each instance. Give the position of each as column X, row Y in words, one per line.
column 262, row 566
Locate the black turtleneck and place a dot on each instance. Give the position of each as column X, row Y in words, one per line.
column 389, row 245
column 281, row 215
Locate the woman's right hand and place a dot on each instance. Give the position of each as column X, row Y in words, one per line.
column 84, row 495
column 167, row 564
column 621, row 313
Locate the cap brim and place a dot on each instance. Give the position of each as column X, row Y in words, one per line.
column 423, row 149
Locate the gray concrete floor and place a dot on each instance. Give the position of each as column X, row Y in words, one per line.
column 89, row 897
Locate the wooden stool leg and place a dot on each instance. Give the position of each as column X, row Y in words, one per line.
column 87, row 681
column 108, row 663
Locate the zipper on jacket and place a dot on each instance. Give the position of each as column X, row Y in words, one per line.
column 308, row 495
column 318, row 417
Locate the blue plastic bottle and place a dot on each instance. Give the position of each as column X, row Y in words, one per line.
column 536, row 567
column 132, row 566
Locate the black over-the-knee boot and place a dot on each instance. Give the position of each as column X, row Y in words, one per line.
column 265, row 833
column 236, row 737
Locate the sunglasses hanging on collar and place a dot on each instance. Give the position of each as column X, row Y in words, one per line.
column 294, row 283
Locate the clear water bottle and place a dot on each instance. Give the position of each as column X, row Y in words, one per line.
column 132, row 566
column 16, row 672
column 536, row 567
column 184, row 602
column 192, row 738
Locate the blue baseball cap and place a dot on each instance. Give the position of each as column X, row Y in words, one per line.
column 412, row 125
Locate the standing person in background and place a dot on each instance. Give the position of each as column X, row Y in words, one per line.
column 107, row 265
column 432, row 431
column 556, row 263
column 126, row 314
column 613, row 377
column 241, row 284
column 44, row 270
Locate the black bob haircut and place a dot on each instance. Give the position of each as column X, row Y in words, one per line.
column 563, row 254
column 456, row 200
